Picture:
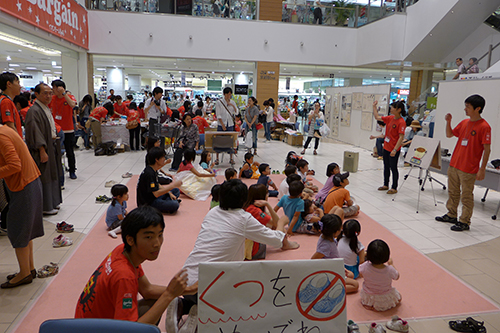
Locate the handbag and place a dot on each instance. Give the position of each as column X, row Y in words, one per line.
column 249, row 139
column 132, row 124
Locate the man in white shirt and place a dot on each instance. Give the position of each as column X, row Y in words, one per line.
column 154, row 108
column 225, row 111
column 222, row 239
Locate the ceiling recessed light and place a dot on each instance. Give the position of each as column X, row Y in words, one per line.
column 32, row 68
column 46, row 70
column 101, row 69
column 57, row 72
column 12, row 69
column 180, row 72
column 54, row 63
column 57, row 66
column 13, row 65
column 9, row 58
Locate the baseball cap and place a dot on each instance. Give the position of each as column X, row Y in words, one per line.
column 339, row 178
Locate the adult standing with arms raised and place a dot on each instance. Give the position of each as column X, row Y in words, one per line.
column 154, row 107
column 41, row 139
column 394, row 135
column 251, row 116
column 22, row 178
column 225, row 110
column 315, row 120
column 474, row 142
column 62, row 106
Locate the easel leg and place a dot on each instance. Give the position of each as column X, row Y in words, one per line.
column 405, row 177
column 484, row 197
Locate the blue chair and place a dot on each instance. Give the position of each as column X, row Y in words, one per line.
column 95, row 326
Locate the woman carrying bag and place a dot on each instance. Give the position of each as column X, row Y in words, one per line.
column 315, row 121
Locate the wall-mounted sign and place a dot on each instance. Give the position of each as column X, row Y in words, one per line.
column 65, row 19
column 25, row 76
column 241, row 89
column 403, row 91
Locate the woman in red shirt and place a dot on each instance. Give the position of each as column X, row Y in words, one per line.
column 256, row 205
column 394, row 135
column 120, row 108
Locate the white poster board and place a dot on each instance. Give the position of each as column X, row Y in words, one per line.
column 357, row 101
column 272, row 296
column 368, row 100
column 366, row 121
column 424, row 152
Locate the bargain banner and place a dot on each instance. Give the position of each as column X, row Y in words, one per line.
column 63, row 18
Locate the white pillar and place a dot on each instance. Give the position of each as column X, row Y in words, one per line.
column 70, row 75
column 134, row 82
column 116, row 81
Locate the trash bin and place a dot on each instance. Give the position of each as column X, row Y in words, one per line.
column 351, row 159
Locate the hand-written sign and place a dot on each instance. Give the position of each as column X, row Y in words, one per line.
column 306, row 296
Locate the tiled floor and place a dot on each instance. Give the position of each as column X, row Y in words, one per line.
column 471, row 255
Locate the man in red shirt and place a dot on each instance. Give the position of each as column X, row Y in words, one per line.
column 62, row 106
column 10, row 86
column 111, row 291
column 474, row 141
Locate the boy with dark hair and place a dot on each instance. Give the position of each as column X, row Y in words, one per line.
column 303, row 171
column 249, row 168
column 474, row 143
column 10, row 86
column 283, row 189
column 338, row 200
column 222, row 239
column 111, row 291
column 264, row 179
column 293, row 206
column 150, row 192
column 230, row 173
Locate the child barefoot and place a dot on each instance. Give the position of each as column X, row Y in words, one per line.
column 350, row 248
column 187, row 164
column 330, row 226
column 117, row 209
column 377, row 293
column 205, row 161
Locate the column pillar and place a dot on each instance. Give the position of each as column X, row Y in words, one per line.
column 415, row 85
column 266, row 81
column 270, row 10
column 134, row 82
column 90, row 75
column 116, row 81
column 70, row 67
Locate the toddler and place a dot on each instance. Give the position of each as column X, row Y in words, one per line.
column 249, row 168
column 264, row 179
column 377, row 293
column 187, row 164
column 303, row 171
column 117, row 209
column 330, row 226
column 310, row 215
column 331, row 170
column 350, row 248
column 293, row 206
column 205, row 161
column 230, row 173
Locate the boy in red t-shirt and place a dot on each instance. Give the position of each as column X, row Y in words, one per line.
column 120, row 108
column 474, row 141
column 62, row 106
column 111, row 291
column 10, row 87
column 394, row 135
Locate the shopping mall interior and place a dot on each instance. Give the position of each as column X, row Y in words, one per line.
column 324, row 51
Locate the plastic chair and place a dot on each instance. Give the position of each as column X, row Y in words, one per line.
column 95, row 326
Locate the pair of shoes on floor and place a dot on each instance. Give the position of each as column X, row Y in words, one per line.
column 468, row 325
column 173, row 322
column 48, row 270
column 127, row 175
column 72, row 175
column 27, row 280
column 11, row 276
column 110, row 183
column 392, row 191
column 397, row 324
column 383, row 188
column 102, row 199
column 64, row 227
column 61, row 241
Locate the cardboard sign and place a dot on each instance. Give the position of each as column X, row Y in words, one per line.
column 272, row 296
column 424, row 152
column 65, row 19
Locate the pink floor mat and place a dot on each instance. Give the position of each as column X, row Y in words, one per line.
column 427, row 289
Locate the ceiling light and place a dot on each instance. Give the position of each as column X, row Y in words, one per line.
column 32, row 68
column 57, row 66
column 8, row 58
column 13, row 65
column 54, row 63
column 213, row 72
column 101, row 69
column 46, row 70
column 12, row 69
column 27, row 44
column 57, row 72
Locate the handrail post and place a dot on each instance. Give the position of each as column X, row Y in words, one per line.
column 490, row 50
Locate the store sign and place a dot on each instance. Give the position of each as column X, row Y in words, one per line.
column 267, row 75
column 403, row 91
column 62, row 18
column 25, row 76
column 241, row 89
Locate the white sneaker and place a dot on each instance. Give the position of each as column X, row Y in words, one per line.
column 172, row 319
column 376, row 328
column 191, row 324
column 112, row 234
column 51, row 212
column 397, row 324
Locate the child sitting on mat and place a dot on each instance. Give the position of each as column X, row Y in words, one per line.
column 117, row 209
column 249, row 168
column 378, row 293
column 230, row 173
column 303, row 171
column 215, row 192
column 330, row 226
column 205, row 159
column 293, row 206
column 350, row 248
column 187, row 164
column 264, row 179
column 310, row 215
column 331, row 170
column 283, row 189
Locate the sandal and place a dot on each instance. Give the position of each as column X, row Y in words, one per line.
column 231, row 162
column 461, row 326
column 61, row 241
column 477, row 325
column 303, row 152
column 48, row 270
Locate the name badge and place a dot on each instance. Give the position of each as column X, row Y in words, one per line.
column 387, row 139
column 58, row 117
column 464, row 142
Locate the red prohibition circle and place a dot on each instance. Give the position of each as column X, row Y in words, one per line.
column 332, row 283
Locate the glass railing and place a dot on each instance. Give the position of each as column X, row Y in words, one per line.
column 346, row 13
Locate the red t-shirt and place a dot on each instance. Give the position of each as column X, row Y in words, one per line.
column 394, row 127
column 120, row 110
column 127, row 103
column 181, row 110
column 24, row 111
column 99, row 113
column 63, row 113
column 142, row 115
column 472, row 136
column 111, row 292
column 201, row 123
column 133, row 115
column 169, row 112
column 184, row 167
column 260, row 216
column 295, row 105
column 10, row 114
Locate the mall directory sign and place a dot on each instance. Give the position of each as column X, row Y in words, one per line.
column 63, row 18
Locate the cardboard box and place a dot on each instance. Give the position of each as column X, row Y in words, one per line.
column 294, row 140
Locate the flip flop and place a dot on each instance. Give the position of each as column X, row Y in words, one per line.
column 461, row 326
column 477, row 325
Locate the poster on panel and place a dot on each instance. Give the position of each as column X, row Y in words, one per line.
column 368, row 100
column 366, row 121
column 357, row 101
column 334, row 119
column 272, row 296
column 383, row 102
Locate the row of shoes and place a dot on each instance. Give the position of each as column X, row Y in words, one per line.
column 46, row 271
column 395, row 324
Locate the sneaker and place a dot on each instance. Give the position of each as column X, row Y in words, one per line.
column 110, row 183
column 376, row 328
column 397, row 324
column 72, row 175
column 64, row 227
column 174, row 315
column 383, row 188
column 50, row 212
column 112, row 234
column 446, row 218
column 460, row 227
column 392, row 191
column 61, row 241
column 352, row 327
column 127, row 175
column 191, row 323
